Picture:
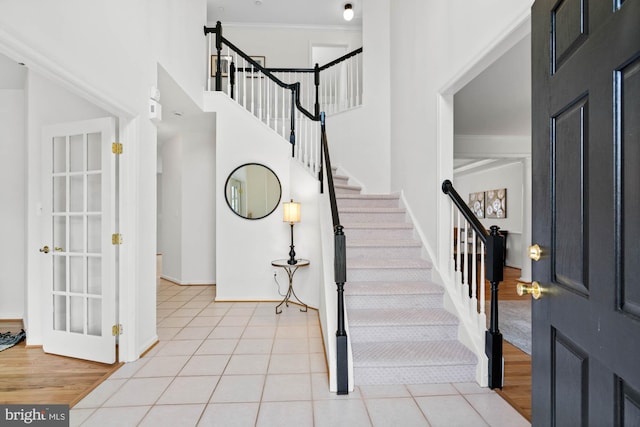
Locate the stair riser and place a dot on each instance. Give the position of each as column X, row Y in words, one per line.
column 340, row 181
column 389, row 301
column 347, row 191
column 390, row 274
column 367, row 203
column 372, row 217
column 382, row 234
column 414, row 374
column 412, row 333
column 382, row 252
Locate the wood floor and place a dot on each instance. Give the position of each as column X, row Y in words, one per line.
column 30, row 376
column 517, row 364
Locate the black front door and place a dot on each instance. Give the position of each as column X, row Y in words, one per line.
column 586, row 212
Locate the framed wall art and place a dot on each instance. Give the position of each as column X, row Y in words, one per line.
column 225, row 65
column 496, row 203
column 476, row 203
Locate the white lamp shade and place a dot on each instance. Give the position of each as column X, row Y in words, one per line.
column 291, row 212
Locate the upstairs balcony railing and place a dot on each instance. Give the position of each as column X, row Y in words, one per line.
column 288, row 100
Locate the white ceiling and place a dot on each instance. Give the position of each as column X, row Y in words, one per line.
column 179, row 112
column 498, row 101
column 316, row 13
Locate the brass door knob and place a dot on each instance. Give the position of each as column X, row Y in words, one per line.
column 535, row 252
column 44, row 249
column 534, row 289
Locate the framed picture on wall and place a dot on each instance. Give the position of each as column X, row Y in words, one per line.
column 496, row 201
column 476, row 203
column 260, row 60
column 225, row 65
column 251, row 71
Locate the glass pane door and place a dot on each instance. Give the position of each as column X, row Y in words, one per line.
column 76, row 224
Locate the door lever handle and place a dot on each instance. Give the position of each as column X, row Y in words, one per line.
column 44, row 249
column 58, row 249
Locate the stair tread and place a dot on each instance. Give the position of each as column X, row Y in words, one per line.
column 391, row 243
column 392, row 288
column 388, row 263
column 420, row 353
column 351, row 187
column 363, row 317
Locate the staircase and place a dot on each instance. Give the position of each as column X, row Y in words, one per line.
column 400, row 333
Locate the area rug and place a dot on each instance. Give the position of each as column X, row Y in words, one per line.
column 515, row 323
column 8, row 340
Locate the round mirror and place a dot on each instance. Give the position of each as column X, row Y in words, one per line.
column 253, row 191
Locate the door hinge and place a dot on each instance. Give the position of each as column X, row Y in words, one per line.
column 116, row 148
column 116, row 239
column 117, row 330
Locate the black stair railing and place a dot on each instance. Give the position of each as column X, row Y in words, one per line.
column 339, row 266
column 340, row 263
column 494, row 274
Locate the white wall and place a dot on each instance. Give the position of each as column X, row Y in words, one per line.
column 171, row 227
column 365, row 132
column 12, row 208
column 177, row 36
column 108, row 52
column 433, row 42
column 188, row 232
column 245, row 248
column 509, row 177
column 198, row 200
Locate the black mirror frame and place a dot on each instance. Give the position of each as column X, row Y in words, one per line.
column 250, row 164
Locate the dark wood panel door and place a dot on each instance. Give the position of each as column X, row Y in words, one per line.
column 586, row 212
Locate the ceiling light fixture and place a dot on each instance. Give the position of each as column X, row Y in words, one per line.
column 348, row 12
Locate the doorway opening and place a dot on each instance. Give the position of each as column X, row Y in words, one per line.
column 486, row 112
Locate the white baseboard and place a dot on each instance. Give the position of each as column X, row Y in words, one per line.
column 191, row 282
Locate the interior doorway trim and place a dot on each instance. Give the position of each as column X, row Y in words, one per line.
column 39, row 63
column 518, row 30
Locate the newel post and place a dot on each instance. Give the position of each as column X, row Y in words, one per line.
column 340, row 271
column 493, row 337
column 218, row 62
column 292, row 135
column 316, row 81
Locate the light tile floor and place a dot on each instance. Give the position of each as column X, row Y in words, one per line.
column 240, row 364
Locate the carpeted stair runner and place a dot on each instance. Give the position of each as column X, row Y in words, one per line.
column 400, row 333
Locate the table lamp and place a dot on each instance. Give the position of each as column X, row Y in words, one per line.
column 291, row 215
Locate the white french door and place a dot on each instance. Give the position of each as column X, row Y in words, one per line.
column 78, row 211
